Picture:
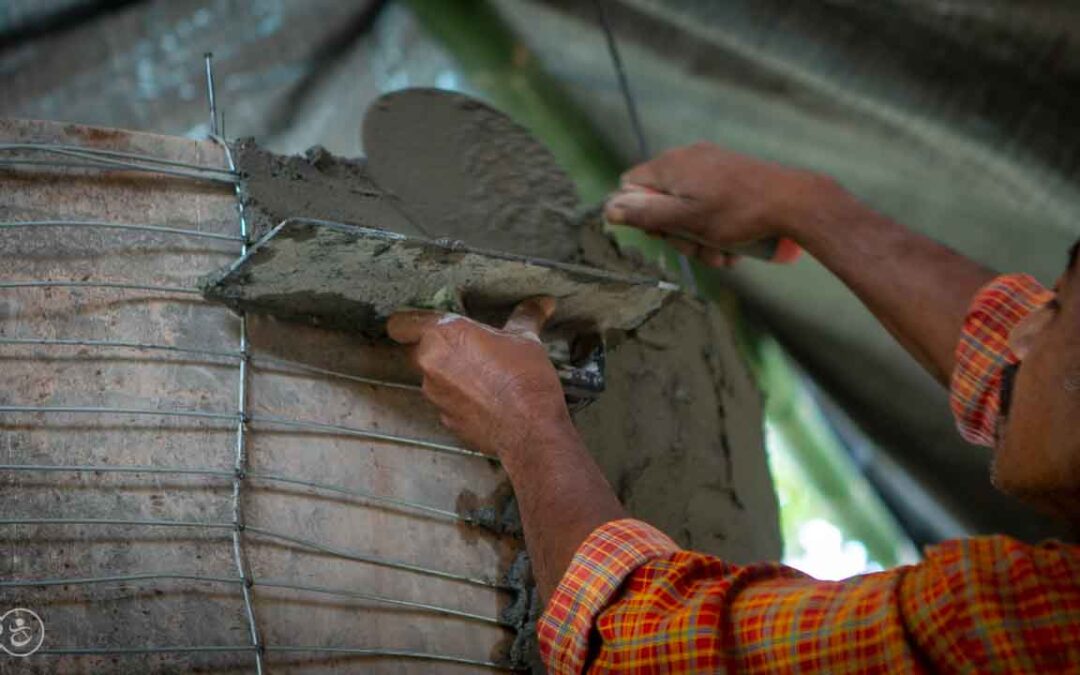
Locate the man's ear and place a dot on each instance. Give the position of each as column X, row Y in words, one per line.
column 1023, row 335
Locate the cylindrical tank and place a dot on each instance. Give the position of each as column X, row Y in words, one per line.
column 187, row 490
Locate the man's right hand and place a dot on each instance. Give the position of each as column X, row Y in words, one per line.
column 720, row 197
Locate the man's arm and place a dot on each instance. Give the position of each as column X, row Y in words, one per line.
column 917, row 288
column 498, row 391
column 629, row 600
column 632, row 602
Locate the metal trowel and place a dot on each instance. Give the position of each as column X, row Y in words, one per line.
column 353, row 278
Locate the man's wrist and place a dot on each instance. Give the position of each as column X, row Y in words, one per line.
column 815, row 204
column 556, row 432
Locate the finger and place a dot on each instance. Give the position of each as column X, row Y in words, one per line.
column 687, row 248
column 714, row 257
column 649, row 211
column 529, row 317
column 638, row 187
column 407, row 327
column 447, row 421
column 643, row 174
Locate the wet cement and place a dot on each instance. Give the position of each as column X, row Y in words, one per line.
column 313, row 185
column 353, row 278
column 679, row 430
column 468, row 172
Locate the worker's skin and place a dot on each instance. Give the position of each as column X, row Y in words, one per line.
column 498, row 391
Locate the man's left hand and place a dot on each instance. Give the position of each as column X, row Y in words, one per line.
column 495, row 388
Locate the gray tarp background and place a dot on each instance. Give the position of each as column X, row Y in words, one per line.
column 957, row 117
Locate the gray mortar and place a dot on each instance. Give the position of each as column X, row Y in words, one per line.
column 352, row 278
column 468, row 172
column 679, row 431
column 315, row 185
column 523, row 613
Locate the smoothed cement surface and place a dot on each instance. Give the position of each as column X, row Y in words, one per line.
column 466, row 171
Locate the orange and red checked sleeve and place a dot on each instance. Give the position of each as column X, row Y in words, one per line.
column 633, row 602
column 983, row 353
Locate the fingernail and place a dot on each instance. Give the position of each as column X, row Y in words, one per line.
column 615, row 214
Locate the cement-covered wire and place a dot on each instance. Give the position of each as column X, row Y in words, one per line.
column 50, row 283
column 270, row 534
column 260, row 361
column 250, row 475
column 362, row 494
column 106, row 468
column 117, row 344
column 274, row 361
column 111, row 159
column 267, row 583
column 369, row 434
column 117, row 579
column 374, row 560
column 206, row 525
column 113, row 154
column 348, row 593
column 101, row 165
column 318, row 427
column 392, row 653
column 179, row 649
column 99, row 410
column 98, row 224
column 316, row 649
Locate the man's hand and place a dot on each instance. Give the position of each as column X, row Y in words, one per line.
column 916, row 287
column 717, row 196
column 494, row 388
column 499, row 393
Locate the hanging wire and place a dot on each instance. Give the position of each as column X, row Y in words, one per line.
column 635, row 121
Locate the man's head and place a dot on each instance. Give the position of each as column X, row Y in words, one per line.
column 1038, row 452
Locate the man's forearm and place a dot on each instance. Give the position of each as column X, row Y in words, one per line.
column 562, row 496
column 917, row 288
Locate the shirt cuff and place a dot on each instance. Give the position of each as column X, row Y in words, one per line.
column 602, row 562
column 983, row 353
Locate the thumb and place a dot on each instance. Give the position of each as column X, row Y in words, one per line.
column 648, row 210
column 529, row 317
column 408, row 327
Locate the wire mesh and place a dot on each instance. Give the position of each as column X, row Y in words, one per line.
column 236, row 529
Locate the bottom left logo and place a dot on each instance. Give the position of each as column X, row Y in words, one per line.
column 21, row 632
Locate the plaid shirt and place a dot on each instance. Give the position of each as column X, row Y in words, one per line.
column 983, row 352
column 633, row 602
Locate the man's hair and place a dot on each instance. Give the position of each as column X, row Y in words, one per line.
column 1074, row 254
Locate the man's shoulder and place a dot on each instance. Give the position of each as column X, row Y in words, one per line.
column 998, row 546
column 996, row 601
column 1003, row 562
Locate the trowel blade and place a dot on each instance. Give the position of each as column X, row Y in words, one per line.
column 354, row 278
